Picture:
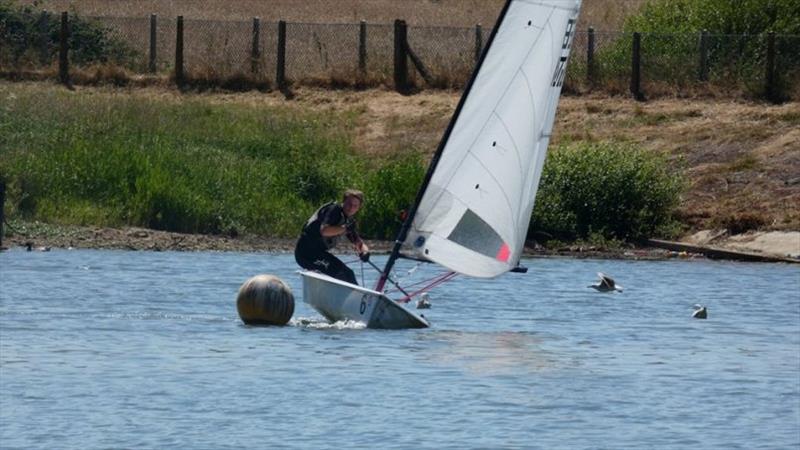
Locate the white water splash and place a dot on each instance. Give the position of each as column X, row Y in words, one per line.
column 322, row 324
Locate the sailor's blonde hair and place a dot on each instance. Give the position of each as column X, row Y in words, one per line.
column 353, row 193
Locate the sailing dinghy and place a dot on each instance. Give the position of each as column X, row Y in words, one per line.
column 472, row 212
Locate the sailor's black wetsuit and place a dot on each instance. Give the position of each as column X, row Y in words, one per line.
column 312, row 250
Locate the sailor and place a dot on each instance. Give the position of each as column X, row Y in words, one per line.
column 321, row 233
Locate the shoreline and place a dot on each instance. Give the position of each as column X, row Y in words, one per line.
column 143, row 239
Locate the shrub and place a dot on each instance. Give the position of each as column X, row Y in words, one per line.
column 736, row 47
column 31, row 37
column 390, row 190
column 612, row 190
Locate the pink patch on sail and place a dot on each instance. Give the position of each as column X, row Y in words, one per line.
column 503, row 253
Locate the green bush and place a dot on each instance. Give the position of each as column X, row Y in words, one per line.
column 717, row 17
column 612, row 190
column 390, row 190
column 31, row 38
column 736, row 43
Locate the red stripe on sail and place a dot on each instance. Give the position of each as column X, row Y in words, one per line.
column 503, row 253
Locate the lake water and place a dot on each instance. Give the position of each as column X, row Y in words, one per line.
column 113, row 349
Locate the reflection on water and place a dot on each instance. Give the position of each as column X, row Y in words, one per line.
column 112, row 349
column 488, row 353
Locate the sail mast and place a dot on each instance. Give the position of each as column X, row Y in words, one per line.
column 403, row 233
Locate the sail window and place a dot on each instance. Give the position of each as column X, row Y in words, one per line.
column 475, row 234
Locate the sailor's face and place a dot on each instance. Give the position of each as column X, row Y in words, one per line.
column 351, row 206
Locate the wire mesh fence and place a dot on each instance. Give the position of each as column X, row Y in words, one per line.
column 448, row 54
column 364, row 54
column 320, row 53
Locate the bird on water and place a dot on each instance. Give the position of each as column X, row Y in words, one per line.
column 606, row 284
column 423, row 302
column 700, row 312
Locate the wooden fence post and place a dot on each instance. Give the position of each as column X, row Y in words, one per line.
column 362, row 48
column 179, row 76
column 44, row 39
column 400, row 56
column 702, row 74
column 280, row 76
column 636, row 68
column 478, row 42
column 590, row 75
column 152, row 61
column 63, row 50
column 771, row 75
column 255, row 55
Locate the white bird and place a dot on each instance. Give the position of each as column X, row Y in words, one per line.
column 700, row 312
column 422, row 302
column 606, row 284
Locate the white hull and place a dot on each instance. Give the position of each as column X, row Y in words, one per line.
column 338, row 300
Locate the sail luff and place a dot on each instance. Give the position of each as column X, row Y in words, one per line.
column 403, row 233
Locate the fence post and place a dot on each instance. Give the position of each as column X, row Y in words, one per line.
column 179, row 52
column 152, row 62
column 772, row 88
column 255, row 55
column 44, row 41
column 703, row 69
column 400, row 56
column 636, row 67
column 280, row 76
column 2, row 209
column 478, row 42
column 63, row 50
column 362, row 48
column 590, row 75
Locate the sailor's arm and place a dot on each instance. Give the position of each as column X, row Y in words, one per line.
column 331, row 230
column 352, row 235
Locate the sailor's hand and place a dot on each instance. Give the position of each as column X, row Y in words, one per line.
column 364, row 256
column 350, row 224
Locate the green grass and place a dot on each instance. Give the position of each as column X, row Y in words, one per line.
column 183, row 165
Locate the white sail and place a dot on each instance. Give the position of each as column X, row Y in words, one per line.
column 474, row 214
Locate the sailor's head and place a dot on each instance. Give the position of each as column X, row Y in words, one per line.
column 351, row 202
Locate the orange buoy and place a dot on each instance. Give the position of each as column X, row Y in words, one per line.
column 265, row 300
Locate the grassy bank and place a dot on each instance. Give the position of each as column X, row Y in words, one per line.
column 188, row 165
column 230, row 165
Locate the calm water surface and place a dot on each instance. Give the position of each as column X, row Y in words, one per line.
column 110, row 349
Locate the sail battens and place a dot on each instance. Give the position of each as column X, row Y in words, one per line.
column 473, row 215
column 514, row 144
column 497, row 182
